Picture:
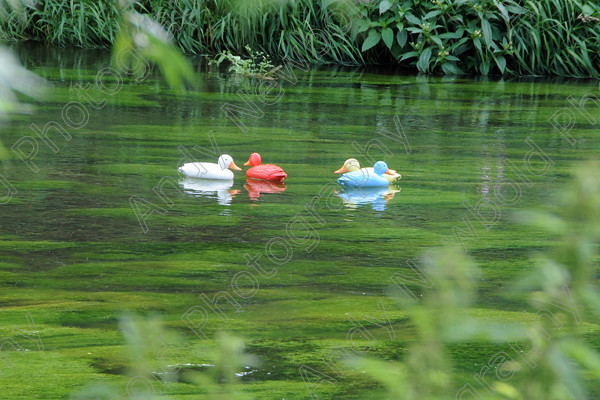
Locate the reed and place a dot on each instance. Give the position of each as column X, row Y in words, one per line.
column 512, row 37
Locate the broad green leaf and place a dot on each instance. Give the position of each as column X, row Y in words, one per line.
column 409, row 55
column 396, row 50
column 423, row 63
column 515, row 9
column 449, row 68
column 431, row 14
column 384, row 6
column 362, row 25
column 412, row 19
column 388, row 37
column 502, row 10
column 487, row 32
column 484, row 67
column 401, row 37
column 587, row 10
column 501, row 63
column 451, row 35
column 372, row 39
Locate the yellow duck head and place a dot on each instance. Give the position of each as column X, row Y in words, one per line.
column 350, row 165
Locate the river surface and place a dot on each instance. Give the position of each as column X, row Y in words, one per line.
column 103, row 224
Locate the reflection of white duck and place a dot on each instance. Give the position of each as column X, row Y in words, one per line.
column 206, row 170
column 377, row 196
column 218, row 189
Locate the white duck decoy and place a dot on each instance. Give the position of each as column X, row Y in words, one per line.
column 219, row 189
column 205, row 170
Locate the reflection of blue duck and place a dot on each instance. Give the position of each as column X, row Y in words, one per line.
column 377, row 196
column 366, row 178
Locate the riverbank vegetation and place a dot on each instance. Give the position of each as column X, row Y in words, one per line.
column 512, row 37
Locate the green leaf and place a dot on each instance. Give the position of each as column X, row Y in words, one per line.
column 451, row 35
column 401, row 37
column 372, row 39
column 431, row 14
column 503, row 11
column 487, row 32
column 396, row 50
column 449, row 68
column 388, row 37
column 362, row 25
column 409, row 55
column 423, row 63
column 384, row 6
column 587, row 10
column 484, row 67
column 501, row 63
column 412, row 19
column 516, row 9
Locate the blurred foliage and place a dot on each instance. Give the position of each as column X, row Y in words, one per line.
column 425, row 372
column 14, row 79
column 141, row 36
column 149, row 344
column 558, row 359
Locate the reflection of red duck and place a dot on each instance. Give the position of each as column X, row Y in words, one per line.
column 267, row 172
column 256, row 186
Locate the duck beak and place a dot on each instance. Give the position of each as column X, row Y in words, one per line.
column 247, row 163
column 233, row 166
column 341, row 170
column 390, row 172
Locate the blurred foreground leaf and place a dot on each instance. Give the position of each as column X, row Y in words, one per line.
column 142, row 37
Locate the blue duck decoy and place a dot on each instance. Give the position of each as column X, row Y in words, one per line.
column 365, row 178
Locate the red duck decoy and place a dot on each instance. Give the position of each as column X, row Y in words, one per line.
column 267, row 172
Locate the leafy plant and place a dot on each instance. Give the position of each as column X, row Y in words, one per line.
column 259, row 65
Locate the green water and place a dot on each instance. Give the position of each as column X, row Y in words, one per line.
column 74, row 255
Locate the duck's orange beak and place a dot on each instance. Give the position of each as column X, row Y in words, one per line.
column 233, row 166
column 247, row 163
column 390, row 172
column 342, row 170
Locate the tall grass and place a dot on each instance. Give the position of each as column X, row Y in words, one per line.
column 553, row 40
column 513, row 37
